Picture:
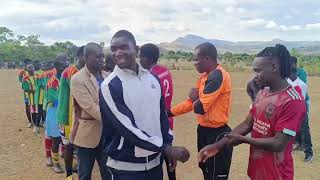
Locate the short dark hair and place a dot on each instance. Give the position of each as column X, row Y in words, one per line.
column 80, row 51
column 150, row 51
column 27, row 61
column 108, row 58
column 207, row 49
column 89, row 48
column 62, row 57
column 280, row 52
column 126, row 34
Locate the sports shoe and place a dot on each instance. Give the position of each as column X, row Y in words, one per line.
column 37, row 132
column 29, row 125
column 57, row 168
column 61, row 154
column 69, row 177
column 308, row 158
column 49, row 162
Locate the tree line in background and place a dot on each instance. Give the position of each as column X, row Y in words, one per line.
column 18, row 47
column 243, row 61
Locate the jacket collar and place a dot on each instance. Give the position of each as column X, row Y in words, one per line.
column 93, row 79
column 125, row 74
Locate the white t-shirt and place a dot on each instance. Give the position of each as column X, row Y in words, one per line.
column 298, row 82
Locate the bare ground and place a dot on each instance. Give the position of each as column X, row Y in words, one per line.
column 22, row 153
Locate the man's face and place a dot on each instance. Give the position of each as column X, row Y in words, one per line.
column 264, row 71
column 95, row 60
column 44, row 66
column 200, row 62
column 123, row 52
column 26, row 64
column 109, row 65
column 61, row 66
column 293, row 68
column 37, row 66
column 30, row 68
column 144, row 62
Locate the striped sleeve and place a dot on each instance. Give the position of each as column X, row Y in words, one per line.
column 116, row 113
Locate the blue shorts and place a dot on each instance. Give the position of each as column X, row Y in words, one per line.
column 52, row 127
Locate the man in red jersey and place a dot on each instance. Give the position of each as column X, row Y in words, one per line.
column 273, row 120
column 149, row 55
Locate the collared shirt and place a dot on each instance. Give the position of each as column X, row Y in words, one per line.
column 212, row 109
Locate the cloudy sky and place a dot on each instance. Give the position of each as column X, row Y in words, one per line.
column 81, row 21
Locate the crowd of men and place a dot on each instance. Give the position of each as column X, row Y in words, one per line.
column 118, row 112
column 7, row 65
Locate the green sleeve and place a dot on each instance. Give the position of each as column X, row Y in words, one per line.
column 52, row 95
column 63, row 99
column 20, row 78
column 38, row 88
column 25, row 86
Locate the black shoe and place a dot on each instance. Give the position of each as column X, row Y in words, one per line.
column 308, row 158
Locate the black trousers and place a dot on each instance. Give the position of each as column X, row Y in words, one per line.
column 28, row 113
column 152, row 174
column 217, row 167
column 171, row 175
column 41, row 114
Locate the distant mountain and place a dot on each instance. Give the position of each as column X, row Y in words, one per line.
column 189, row 42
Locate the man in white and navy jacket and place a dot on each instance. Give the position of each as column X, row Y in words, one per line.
column 135, row 122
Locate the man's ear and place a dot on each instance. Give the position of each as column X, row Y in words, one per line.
column 275, row 67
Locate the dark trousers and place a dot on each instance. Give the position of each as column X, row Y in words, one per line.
column 35, row 119
column 28, row 113
column 44, row 114
column 171, row 175
column 152, row 174
column 217, row 167
column 41, row 113
column 86, row 158
column 304, row 136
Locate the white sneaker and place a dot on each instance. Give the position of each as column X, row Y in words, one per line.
column 29, row 125
column 34, row 129
column 37, row 132
column 49, row 162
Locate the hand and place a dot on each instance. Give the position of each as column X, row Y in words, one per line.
column 172, row 164
column 194, row 94
column 175, row 153
column 208, row 151
column 236, row 139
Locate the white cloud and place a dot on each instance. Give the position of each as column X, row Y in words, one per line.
column 229, row 9
column 271, row 25
column 157, row 21
column 315, row 26
column 291, row 28
column 252, row 23
column 235, row 10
